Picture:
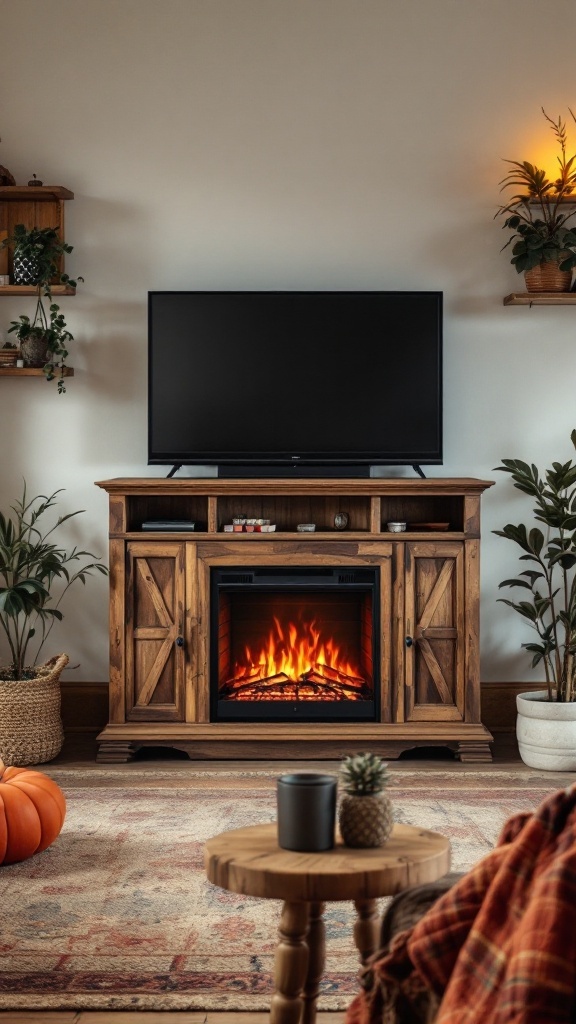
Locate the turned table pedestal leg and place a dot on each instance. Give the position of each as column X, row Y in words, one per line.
column 366, row 928
column 316, row 942
column 290, row 965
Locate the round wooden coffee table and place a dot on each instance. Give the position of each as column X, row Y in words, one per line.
column 249, row 861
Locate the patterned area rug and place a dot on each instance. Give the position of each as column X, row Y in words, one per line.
column 117, row 914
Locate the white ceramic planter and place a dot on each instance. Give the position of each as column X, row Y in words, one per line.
column 546, row 732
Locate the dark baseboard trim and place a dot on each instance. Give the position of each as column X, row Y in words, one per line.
column 85, row 705
column 499, row 704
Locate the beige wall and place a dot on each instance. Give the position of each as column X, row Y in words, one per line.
column 284, row 144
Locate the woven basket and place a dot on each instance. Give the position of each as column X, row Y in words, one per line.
column 547, row 277
column 30, row 724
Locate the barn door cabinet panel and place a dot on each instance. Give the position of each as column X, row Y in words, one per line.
column 155, row 646
column 435, row 636
column 428, row 626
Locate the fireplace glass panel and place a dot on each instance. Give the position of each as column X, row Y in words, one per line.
column 300, row 646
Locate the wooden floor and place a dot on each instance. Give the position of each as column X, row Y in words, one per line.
column 80, row 750
column 150, row 1017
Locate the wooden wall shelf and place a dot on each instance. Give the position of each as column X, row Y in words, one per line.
column 34, row 193
column 32, row 371
column 540, row 299
column 40, row 206
column 30, row 289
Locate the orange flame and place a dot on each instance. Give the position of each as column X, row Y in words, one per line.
column 294, row 650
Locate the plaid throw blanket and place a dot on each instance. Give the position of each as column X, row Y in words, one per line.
column 497, row 948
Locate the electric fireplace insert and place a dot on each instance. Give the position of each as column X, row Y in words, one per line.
column 297, row 643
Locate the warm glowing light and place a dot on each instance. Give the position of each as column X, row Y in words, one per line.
column 296, row 662
column 294, row 651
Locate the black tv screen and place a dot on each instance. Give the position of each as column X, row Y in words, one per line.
column 280, row 378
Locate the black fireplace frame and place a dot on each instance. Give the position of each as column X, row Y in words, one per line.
column 308, row 579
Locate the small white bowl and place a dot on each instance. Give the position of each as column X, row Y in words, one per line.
column 396, row 527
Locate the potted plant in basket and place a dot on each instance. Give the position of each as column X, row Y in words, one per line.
column 544, row 246
column 35, row 574
column 44, row 338
column 546, row 725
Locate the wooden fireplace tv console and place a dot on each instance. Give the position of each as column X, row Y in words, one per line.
column 428, row 672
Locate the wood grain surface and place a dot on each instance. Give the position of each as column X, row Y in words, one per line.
column 249, row 861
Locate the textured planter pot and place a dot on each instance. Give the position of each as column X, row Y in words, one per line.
column 546, row 732
column 30, row 724
column 34, row 351
column 547, row 277
column 365, row 821
column 25, row 269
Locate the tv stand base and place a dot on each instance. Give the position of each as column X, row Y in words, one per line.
column 118, row 744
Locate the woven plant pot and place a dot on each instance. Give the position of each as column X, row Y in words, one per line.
column 547, row 277
column 30, row 724
column 34, row 350
column 365, row 821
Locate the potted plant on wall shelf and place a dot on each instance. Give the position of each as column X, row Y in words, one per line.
column 44, row 337
column 35, row 575
column 544, row 246
column 546, row 724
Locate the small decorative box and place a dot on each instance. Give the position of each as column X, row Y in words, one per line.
column 8, row 356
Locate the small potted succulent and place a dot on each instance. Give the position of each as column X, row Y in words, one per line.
column 44, row 337
column 365, row 812
column 35, row 575
column 543, row 242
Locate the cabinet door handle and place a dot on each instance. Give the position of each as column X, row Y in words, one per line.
column 179, row 641
column 408, row 641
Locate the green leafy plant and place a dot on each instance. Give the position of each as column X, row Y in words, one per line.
column 31, row 567
column 550, row 603
column 540, row 229
column 56, row 333
column 364, row 774
column 44, row 247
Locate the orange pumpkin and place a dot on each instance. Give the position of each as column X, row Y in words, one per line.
column 32, row 811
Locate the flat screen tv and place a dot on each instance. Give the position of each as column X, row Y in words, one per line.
column 310, row 382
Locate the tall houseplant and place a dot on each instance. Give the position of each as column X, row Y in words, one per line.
column 44, row 337
column 543, row 243
column 548, row 605
column 35, row 575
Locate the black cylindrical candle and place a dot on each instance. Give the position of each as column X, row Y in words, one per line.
column 306, row 811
